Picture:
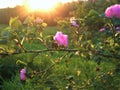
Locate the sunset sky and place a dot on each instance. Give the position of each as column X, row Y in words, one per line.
column 13, row 3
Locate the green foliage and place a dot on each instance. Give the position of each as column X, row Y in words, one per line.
column 63, row 24
column 8, row 67
column 91, row 61
column 93, row 20
column 15, row 23
column 69, row 73
column 116, row 21
column 15, row 84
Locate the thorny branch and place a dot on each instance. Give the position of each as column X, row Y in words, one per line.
column 60, row 50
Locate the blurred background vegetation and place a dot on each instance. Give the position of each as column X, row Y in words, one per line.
column 79, row 9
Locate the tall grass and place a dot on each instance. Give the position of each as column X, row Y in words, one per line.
column 76, row 72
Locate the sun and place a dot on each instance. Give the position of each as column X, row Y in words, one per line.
column 41, row 5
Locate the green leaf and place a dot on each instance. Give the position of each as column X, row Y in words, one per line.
column 3, row 41
column 15, row 23
column 92, row 13
column 116, row 21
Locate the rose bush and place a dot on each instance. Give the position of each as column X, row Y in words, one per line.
column 90, row 61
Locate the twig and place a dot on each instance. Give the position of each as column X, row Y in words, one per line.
column 50, row 67
column 61, row 50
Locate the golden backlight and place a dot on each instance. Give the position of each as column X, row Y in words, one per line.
column 44, row 5
column 41, row 4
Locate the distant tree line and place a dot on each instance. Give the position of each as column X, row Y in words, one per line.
column 79, row 9
column 7, row 13
column 61, row 11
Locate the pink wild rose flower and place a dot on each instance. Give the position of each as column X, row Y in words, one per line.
column 73, row 22
column 118, row 29
column 61, row 39
column 108, row 0
column 102, row 29
column 113, row 11
column 23, row 74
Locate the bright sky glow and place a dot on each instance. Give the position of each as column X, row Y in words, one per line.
column 34, row 4
column 10, row 3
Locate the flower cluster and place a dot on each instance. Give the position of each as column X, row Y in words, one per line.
column 113, row 11
column 61, row 39
column 38, row 20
